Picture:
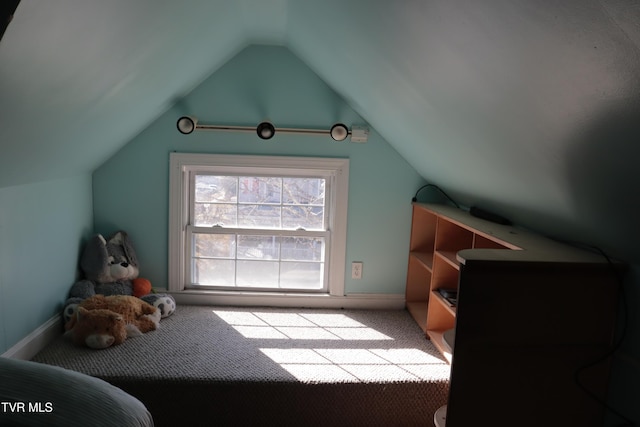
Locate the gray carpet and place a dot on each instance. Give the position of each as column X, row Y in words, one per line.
column 238, row 366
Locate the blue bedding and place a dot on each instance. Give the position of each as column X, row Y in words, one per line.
column 34, row 394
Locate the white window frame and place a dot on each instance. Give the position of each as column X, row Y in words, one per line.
column 181, row 164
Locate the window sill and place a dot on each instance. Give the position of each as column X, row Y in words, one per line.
column 273, row 299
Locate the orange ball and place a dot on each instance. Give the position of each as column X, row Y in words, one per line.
column 141, row 287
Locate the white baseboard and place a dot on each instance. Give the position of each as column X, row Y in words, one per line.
column 30, row 345
column 353, row 301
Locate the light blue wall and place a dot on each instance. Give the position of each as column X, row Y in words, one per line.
column 42, row 226
column 263, row 82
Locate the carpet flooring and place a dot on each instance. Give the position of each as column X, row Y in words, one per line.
column 273, row 366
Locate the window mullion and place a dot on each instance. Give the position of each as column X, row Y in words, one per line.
column 235, row 263
column 237, row 198
column 280, row 261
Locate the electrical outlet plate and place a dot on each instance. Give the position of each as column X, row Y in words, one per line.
column 356, row 270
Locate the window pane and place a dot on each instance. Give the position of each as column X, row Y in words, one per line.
column 301, row 275
column 246, row 259
column 216, row 189
column 303, row 191
column 302, row 248
column 258, row 247
column 214, row 272
column 214, row 245
column 208, row 214
column 259, row 216
column 258, row 274
column 260, row 189
column 307, row 217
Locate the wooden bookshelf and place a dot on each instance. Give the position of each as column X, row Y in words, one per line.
column 435, row 242
column 516, row 345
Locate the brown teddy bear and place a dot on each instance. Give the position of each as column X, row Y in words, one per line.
column 103, row 321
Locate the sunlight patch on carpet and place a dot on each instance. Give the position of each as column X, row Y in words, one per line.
column 296, row 326
column 320, row 347
column 354, row 365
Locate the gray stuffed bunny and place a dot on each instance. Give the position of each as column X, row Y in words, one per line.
column 110, row 265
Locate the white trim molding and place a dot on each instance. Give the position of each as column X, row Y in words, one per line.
column 254, row 299
column 30, row 345
column 182, row 164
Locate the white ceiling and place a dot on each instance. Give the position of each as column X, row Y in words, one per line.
column 530, row 108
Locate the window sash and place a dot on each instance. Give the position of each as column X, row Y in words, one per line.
column 235, row 263
column 327, row 176
column 238, row 261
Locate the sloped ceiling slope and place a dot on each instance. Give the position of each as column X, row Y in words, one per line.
column 78, row 79
column 527, row 107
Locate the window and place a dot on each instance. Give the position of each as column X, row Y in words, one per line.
column 254, row 223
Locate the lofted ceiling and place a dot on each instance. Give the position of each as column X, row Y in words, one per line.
column 530, row 108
